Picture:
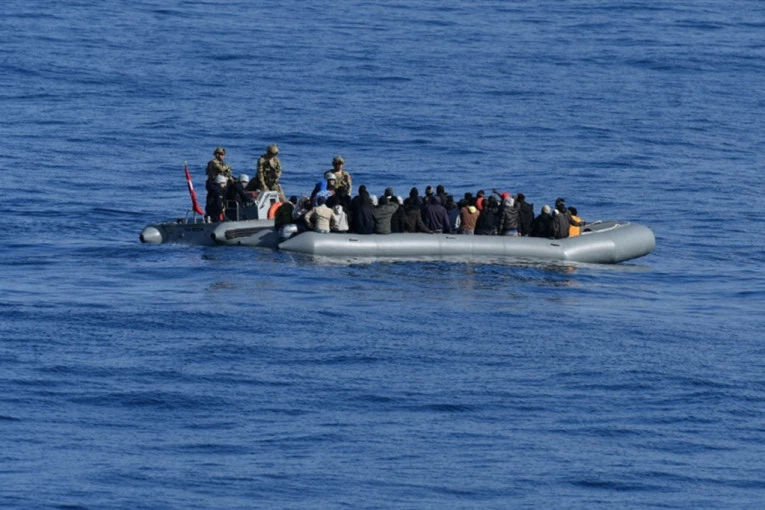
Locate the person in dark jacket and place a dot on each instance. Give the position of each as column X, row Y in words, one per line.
column 413, row 218
column 435, row 216
column 525, row 214
column 508, row 216
column 488, row 220
column 215, row 206
column 561, row 223
column 235, row 192
column 466, row 201
column 414, row 199
column 283, row 215
column 453, row 212
column 397, row 221
column 362, row 218
column 382, row 215
column 543, row 224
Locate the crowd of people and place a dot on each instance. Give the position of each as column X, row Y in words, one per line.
column 331, row 208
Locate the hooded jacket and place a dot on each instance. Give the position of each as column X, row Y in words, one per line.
column 542, row 226
column 468, row 217
column 362, row 216
column 382, row 215
column 435, row 216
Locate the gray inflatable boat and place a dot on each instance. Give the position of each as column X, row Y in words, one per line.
column 247, row 226
column 603, row 242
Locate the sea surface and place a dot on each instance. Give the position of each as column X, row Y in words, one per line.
column 165, row 376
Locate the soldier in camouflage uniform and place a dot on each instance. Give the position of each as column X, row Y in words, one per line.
column 217, row 166
column 268, row 173
column 343, row 178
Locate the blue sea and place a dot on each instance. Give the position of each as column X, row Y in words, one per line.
column 166, row 376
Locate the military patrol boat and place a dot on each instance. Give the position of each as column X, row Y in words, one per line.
column 251, row 225
column 602, row 242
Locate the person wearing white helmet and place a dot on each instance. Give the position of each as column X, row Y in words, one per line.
column 324, row 188
column 215, row 207
column 235, row 193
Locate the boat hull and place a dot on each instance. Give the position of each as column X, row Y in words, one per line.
column 258, row 233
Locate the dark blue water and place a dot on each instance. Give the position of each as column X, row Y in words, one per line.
column 135, row 376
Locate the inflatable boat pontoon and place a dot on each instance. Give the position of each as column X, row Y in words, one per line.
column 607, row 242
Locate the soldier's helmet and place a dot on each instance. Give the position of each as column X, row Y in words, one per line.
column 338, row 161
column 219, row 150
column 272, row 149
column 329, row 175
column 244, row 178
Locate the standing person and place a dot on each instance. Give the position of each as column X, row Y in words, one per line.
column 215, row 207
column 525, row 214
column 343, row 178
column 217, row 166
column 269, row 172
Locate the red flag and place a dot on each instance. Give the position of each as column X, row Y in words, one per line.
column 193, row 193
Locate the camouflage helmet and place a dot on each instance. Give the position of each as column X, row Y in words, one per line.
column 219, row 150
column 272, row 149
column 338, row 160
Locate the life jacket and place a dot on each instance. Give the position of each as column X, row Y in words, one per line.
column 272, row 210
column 573, row 230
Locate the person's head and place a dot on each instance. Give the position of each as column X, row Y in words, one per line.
column 560, row 207
column 329, row 176
column 294, row 199
column 363, row 190
column 520, row 197
column 338, row 162
column 388, row 192
column 481, row 193
column 272, row 150
column 505, row 195
column 440, row 189
column 428, row 191
column 321, row 200
column 244, row 179
column 414, row 193
column 221, row 180
column 219, row 153
column 373, row 198
column 573, row 211
column 546, row 209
